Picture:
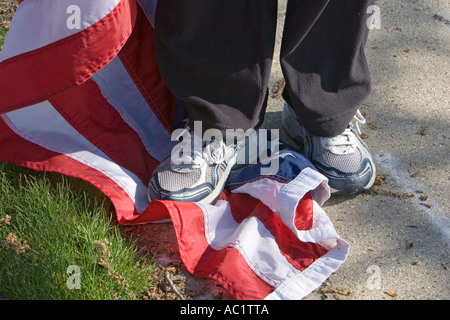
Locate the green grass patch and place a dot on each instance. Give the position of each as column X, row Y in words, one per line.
column 52, row 226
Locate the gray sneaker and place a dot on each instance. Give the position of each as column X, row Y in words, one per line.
column 345, row 159
column 193, row 174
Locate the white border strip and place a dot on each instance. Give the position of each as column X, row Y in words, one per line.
column 311, row 278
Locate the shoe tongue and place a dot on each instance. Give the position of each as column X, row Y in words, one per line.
column 341, row 144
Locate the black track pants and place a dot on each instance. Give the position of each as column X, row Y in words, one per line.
column 216, row 56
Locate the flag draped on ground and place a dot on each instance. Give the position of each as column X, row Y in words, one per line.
column 81, row 94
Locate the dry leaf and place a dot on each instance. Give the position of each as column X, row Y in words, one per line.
column 18, row 245
column 423, row 131
column 5, row 221
column 391, row 293
column 380, row 179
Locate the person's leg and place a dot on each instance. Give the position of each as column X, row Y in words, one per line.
column 216, row 57
column 323, row 61
column 327, row 79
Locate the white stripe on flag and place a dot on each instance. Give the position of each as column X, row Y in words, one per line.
column 251, row 238
column 40, row 23
column 44, row 126
column 121, row 92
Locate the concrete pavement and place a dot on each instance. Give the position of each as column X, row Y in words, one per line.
column 399, row 233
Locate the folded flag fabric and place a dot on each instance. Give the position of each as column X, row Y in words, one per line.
column 81, row 94
column 267, row 237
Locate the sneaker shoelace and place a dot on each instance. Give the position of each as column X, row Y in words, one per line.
column 199, row 152
column 217, row 152
column 347, row 138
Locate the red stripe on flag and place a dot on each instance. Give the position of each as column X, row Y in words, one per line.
column 300, row 254
column 38, row 75
column 85, row 108
column 304, row 213
column 24, row 153
column 138, row 57
column 226, row 266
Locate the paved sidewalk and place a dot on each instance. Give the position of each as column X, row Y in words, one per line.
column 400, row 233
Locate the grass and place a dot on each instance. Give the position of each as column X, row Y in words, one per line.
column 51, row 225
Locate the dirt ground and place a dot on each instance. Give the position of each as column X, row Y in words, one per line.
column 159, row 241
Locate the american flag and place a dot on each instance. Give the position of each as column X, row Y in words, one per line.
column 81, row 95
